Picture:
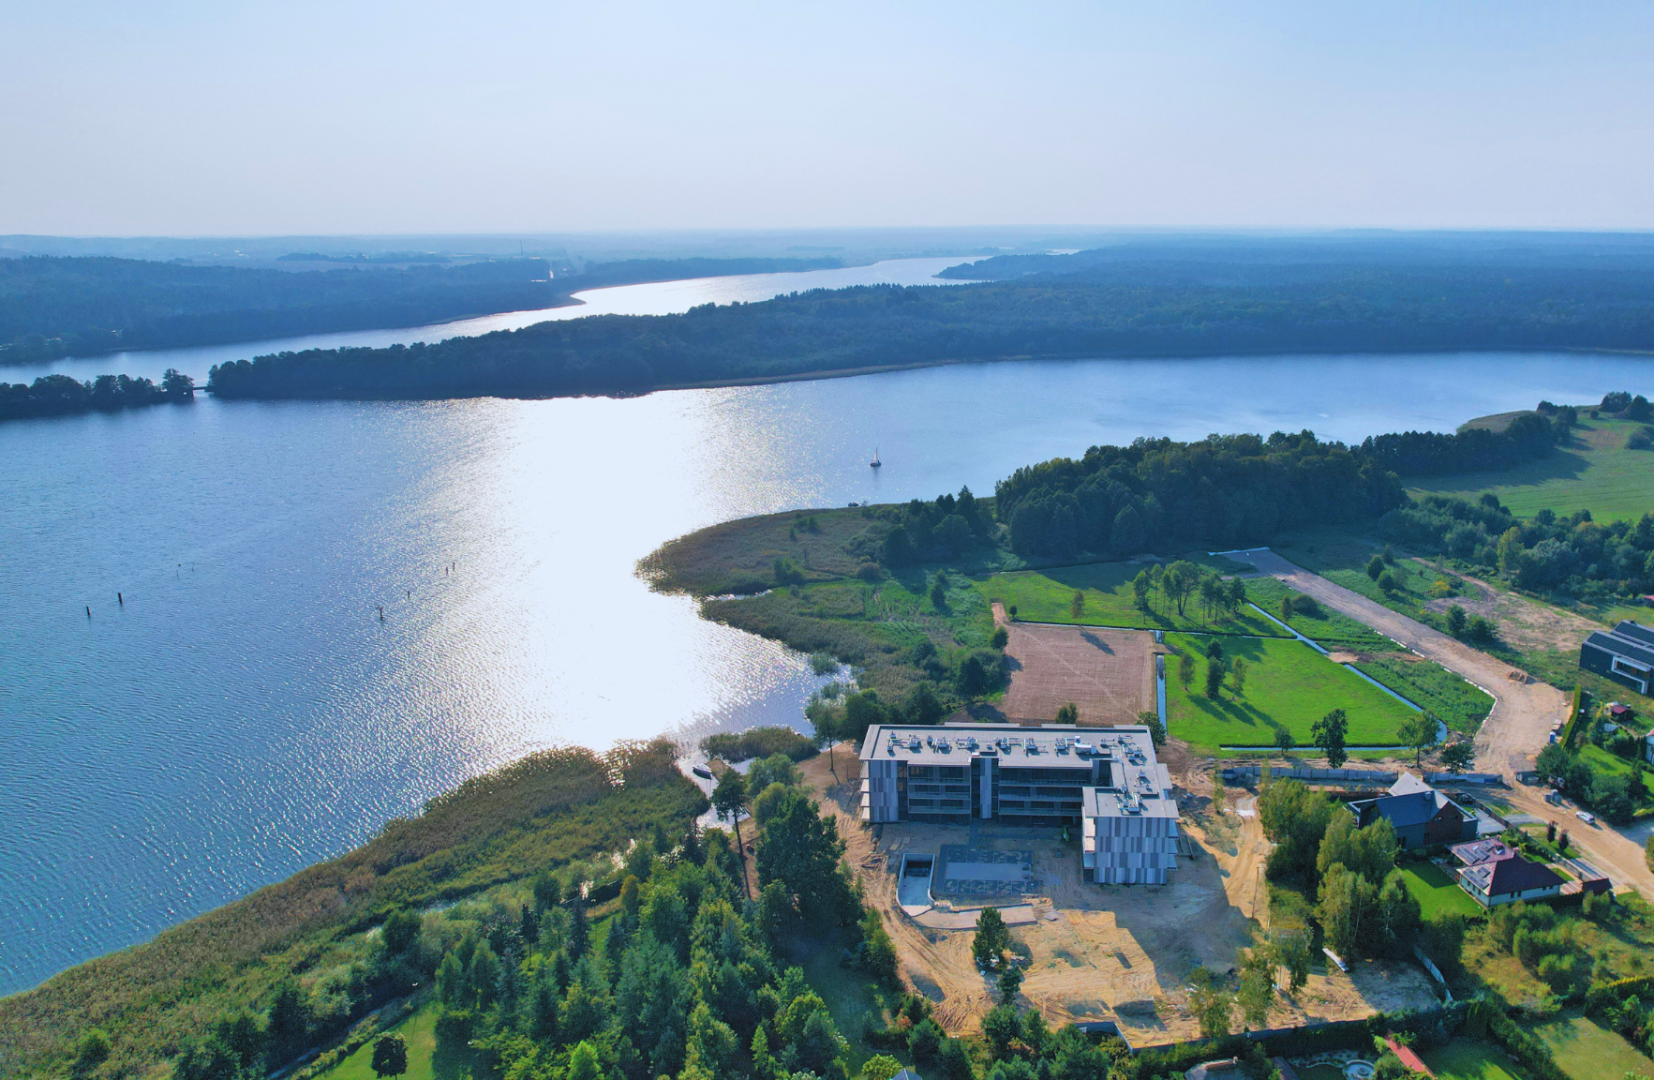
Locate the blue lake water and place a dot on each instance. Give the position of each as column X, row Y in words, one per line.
column 246, row 712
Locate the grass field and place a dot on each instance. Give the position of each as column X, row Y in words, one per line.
column 1329, row 627
column 1587, row 1051
column 419, row 1033
column 1342, row 560
column 1436, row 891
column 1601, row 761
column 1594, row 472
column 1288, row 685
column 1461, row 706
column 1048, row 595
column 1471, row 1059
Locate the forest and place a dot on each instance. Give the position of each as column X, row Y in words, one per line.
column 1263, row 307
column 52, row 307
column 60, row 395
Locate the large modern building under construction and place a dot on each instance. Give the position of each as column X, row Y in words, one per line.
column 1106, row 781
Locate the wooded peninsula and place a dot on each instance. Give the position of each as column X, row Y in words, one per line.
column 52, row 307
column 1148, row 300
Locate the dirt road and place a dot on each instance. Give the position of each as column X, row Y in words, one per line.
column 1523, row 713
column 1519, row 726
column 1616, row 852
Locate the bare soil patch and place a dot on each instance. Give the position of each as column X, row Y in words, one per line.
column 1526, row 624
column 1107, row 674
column 1096, row 953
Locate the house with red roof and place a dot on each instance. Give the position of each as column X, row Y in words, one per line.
column 1507, row 880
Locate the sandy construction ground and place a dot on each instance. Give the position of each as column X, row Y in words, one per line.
column 1108, row 674
column 1524, row 623
column 1092, row 953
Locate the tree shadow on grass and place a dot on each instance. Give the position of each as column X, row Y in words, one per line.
column 1239, row 713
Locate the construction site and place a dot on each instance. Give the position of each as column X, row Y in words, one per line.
column 1092, row 952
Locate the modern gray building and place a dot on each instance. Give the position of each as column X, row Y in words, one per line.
column 1104, row 780
column 1624, row 654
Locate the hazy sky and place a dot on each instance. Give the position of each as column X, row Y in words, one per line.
column 219, row 117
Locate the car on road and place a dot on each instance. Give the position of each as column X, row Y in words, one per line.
column 1586, row 816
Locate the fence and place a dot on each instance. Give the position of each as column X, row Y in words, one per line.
column 1246, row 773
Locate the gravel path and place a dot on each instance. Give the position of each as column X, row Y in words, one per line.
column 1524, row 712
column 1519, row 726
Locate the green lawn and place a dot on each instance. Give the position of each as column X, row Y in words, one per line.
column 1470, row 1059
column 1048, row 595
column 1587, row 1051
column 1330, row 627
column 1594, row 472
column 1601, row 761
column 1288, row 685
column 1436, row 891
column 1461, row 706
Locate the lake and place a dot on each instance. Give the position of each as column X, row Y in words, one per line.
column 246, row 712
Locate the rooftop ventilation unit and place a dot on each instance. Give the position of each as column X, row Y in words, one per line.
column 1082, row 748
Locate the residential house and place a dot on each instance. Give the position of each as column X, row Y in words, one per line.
column 1624, row 654
column 1420, row 815
column 1505, row 881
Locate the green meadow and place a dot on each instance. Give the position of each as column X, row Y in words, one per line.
column 1327, row 626
column 1595, row 472
column 1288, row 685
column 1460, row 704
column 1048, row 596
column 1587, row 1051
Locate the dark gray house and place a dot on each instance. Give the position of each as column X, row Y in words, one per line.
column 1420, row 815
column 1624, row 654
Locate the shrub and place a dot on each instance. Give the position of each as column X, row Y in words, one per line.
column 1306, row 606
column 758, row 742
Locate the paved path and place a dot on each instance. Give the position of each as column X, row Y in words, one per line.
column 1524, row 712
column 1519, row 726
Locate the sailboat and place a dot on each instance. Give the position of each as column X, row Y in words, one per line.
column 876, row 463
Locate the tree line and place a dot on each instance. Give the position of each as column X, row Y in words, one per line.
column 1225, row 490
column 1571, row 554
column 61, row 395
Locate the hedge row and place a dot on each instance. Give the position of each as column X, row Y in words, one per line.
column 1576, row 713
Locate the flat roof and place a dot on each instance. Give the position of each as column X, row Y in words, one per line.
column 1049, row 746
column 1143, row 801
